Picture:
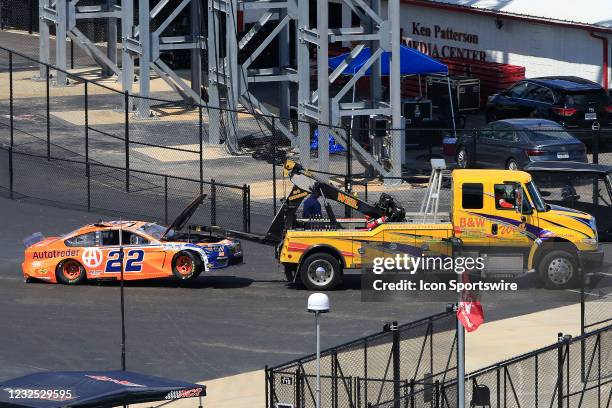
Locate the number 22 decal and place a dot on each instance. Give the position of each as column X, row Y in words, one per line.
column 133, row 263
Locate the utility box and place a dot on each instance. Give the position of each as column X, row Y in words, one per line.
column 416, row 110
column 465, row 92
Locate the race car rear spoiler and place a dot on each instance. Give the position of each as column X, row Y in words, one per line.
column 33, row 239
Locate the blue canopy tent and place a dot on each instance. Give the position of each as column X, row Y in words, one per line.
column 412, row 62
column 92, row 389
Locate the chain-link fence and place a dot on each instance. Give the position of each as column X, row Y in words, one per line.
column 109, row 190
column 386, row 365
column 596, row 301
column 93, row 121
column 574, row 372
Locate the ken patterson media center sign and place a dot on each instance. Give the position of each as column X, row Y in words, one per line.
column 429, row 38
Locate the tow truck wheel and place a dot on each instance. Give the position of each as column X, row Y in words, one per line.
column 320, row 271
column 558, row 270
column 70, row 272
column 186, row 265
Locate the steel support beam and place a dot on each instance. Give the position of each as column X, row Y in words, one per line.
column 230, row 77
column 61, row 37
column 323, row 83
column 144, row 60
column 111, row 38
column 379, row 33
column 44, row 43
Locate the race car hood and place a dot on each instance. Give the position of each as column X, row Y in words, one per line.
column 185, row 215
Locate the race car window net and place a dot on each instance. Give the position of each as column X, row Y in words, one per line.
column 83, row 240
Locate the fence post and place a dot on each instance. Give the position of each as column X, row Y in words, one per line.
column 126, row 102
column 437, row 392
column 334, row 379
column 71, row 53
column 396, row 364
column 267, row 379
column 30, row 16
column 560, row 370
column 595, row 134
column 11, row 106
column 411, row 393
column 348, row 177
column 244, row 208
column 298, row 389
column 273, row 165
column 48, row 113
column 201, row 149
column 86, row 122
column 11, row 172
column 88, row 174
column 365, row 371
column 249, row 208
column 213, row 202
column 166, row 200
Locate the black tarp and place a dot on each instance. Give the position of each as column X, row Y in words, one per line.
column 92, row 389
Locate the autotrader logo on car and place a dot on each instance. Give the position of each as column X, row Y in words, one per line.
column 92, row 257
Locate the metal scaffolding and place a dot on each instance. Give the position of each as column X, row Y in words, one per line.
column 230, row 73
column 230, row 64
column 147, row 48
column 380, row 34
column 64, row 15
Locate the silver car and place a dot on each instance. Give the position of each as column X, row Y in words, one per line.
column 514, row 143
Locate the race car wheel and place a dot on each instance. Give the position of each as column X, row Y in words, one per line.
column 320, row 271
column 186, row 265
column 558, row 270
column 70, row 272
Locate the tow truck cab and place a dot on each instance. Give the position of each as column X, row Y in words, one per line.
column 484, row 221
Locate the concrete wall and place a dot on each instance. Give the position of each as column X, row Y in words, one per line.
column 543, row 49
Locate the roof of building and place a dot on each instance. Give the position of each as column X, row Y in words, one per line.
column 596, row 13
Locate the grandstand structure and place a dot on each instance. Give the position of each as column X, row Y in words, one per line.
column 146, row 33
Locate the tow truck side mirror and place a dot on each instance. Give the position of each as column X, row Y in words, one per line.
column 518, row 200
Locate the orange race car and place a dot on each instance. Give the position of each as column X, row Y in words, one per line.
column 149, row 251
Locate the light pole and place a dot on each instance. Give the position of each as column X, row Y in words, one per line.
column 318, row 303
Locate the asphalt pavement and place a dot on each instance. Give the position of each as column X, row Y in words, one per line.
column 230, row 321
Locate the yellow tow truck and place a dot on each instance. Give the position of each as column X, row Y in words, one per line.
column 485, row 221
